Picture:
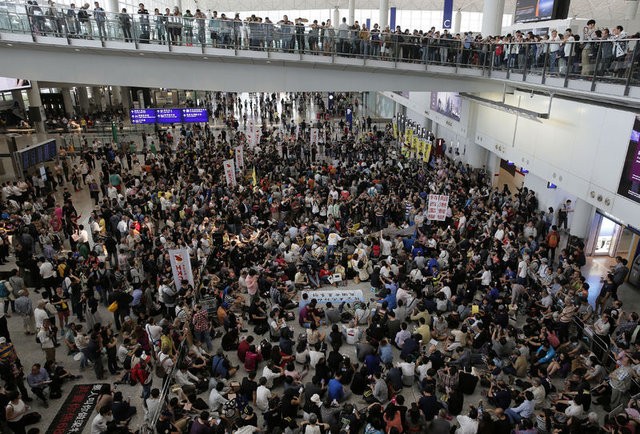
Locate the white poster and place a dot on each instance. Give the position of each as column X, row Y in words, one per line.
column 315, row 136
column 239, row 154
column 437, row 208
column 180, row 267
column 230, row 172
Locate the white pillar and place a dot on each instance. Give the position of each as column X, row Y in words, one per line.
column 36, row 114
column 83, row 99
column 116, row 95
column 336, row 17
column 16, row 95
column 352, row 12
column 457, row 22
column 630, row 9
column 492, row 13
column 125, row 98
column 96, row 95
column 67, row 101
column 112, row 6
column 383, row 21
column 580, row 221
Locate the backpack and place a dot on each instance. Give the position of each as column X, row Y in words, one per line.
column 552, row 240
column 4, row 292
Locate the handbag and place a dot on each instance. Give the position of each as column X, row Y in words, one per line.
column 113, row 307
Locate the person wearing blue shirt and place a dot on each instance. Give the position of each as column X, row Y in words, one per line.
column 433, row 268
column 390, row 297
column 385, row 351
column 372, row 362
column 550, row 354
column 335, row 389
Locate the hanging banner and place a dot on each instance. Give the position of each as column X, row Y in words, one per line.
column 437, row 208
column 315, row 136
column 239, row 154
column 395, row 130
column 409, row 137
column 447, row 14
column 180, row 267
column 229, row 172
column 427, row 153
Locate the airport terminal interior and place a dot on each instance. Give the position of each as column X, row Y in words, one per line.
column 364, row 216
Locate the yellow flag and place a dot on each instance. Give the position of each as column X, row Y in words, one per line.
column 254, row 179
column 395, row 130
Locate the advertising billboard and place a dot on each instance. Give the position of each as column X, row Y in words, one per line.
column 528, row 11
column 629, row 185
column 448, row 104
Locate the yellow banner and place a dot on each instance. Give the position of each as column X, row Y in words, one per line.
column 427, row 152
column 395, row 130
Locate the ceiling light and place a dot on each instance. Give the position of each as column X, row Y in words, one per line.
column 77, row 49
column 9, row 45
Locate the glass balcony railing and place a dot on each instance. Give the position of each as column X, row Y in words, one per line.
column 612, row 61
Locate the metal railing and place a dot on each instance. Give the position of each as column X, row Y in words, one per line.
column 613, row 61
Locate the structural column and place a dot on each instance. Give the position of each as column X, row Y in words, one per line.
column 112, row 6
column 631, row 9
column 115, row 95
column 16, row 95
column 336, row 17
column 383, row 21
column 36, row 113
column 96, row 95
column 457, row 22
column 67, row 100
column 125, row 98
column 352, row 12
column 83, row 99
column 492, row 13
column 579, row 222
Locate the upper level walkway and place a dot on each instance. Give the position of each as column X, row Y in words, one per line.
column 226, row 55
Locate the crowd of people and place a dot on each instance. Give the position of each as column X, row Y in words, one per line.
column 487, row 300
column 603, row 50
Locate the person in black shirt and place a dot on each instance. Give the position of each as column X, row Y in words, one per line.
column 249, row 386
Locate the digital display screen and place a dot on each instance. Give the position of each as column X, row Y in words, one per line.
column 168, row 116
column 533, row 10
column 195, row 115
column 38, row 154
column 629, row 186
column 448, row 104
column 142, row 116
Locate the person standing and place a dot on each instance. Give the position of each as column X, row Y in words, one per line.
column 588, row 35
column 125, row 23
column 101, row 17
column 45, row 338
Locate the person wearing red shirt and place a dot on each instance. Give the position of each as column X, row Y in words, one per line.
column 252, row 358
column 243, row 347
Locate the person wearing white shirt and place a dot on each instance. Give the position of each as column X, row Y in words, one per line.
column 263, row 394
column 385, row 246
column 152, row 404
column 272, row 373
column 216, row 400
column 402, row 335
column 468, row 424
column 99, row 423
column 499, row 234
column 485, row 278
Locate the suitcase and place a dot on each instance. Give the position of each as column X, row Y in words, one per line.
column 467, row 383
